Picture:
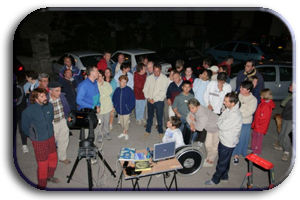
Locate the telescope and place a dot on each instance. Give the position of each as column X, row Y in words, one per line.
column 86, row 119
column 82, row 119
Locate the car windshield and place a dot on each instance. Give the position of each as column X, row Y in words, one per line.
column 265, row 49
column 90, row 60
column 151, row 57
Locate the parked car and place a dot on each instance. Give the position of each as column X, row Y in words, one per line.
column 132, row 55
column 241, row 51
column 18, row 70
column 277, row 44
column 191, row 57
column 277, row 76
column 80, row 59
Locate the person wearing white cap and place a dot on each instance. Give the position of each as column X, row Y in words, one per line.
column 215, row 71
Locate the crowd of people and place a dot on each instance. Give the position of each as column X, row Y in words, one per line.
column 219, row 118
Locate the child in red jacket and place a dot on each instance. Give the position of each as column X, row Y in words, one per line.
column 261, row 120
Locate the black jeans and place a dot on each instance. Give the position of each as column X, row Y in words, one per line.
column 223, row 163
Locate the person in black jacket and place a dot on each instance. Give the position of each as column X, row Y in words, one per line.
column 69, row 86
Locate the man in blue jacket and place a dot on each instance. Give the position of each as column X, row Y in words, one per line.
column 77, row 76
column 248, row 72
column 88, row 95
column 37, row 125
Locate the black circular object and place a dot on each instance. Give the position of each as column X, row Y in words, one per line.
column 191, row 160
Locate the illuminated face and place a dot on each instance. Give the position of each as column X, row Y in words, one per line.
column 150, row 67
column 186, row 88
column 94, row 73
column 44, row 83
column 67, row 62
column 227, row 103
column 169, row 124
column 100, row 78
column 107, row 73
column 254, row 83
column 68, row 74
column 205, row 65
column 171, row 75
column 248, row 67
column 193, row 109
column 143, row 71
column 55, row 92
column 176, row 78
column 121, row 58
column 42, row 99
column 244, row 91
column 156, row 71
column 107, row 57
column 123, row 83
column 145, row 61
column 188, row 72
column 204, row 76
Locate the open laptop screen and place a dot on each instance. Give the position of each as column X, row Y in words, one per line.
column 163, row 151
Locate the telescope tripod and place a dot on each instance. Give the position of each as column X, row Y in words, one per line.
column 88, row 150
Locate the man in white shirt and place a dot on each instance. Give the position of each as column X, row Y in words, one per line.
column 215, row 93
column 115, row 68
column 155, row 90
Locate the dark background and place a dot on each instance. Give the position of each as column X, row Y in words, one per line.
column 115, row 29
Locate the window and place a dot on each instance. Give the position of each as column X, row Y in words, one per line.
column 242, row 48
column 91, row 60
column 268, row 73
column 286, row 73
column 219, row 47
column 252, row 49
column 115, row 57
column 228, row 47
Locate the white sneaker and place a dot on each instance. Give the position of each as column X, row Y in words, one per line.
column 199, row 144
column 126, row 136
column 139, row 122
column 93, row 161
column 121, row 135
column 144, row 121
column 110, row 127
column 206, row 164
column 25, row 149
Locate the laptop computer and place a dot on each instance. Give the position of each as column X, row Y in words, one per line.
column 163, row 151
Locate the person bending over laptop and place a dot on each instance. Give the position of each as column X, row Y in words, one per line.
column 173, row 133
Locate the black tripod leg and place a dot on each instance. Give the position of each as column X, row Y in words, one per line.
column 120, row 181
column 113, row 173
column 88, row 160
column 73, row 169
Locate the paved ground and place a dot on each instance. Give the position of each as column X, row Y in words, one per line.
column 104, row 181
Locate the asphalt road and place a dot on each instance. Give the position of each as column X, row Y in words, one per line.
column 102, row 180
